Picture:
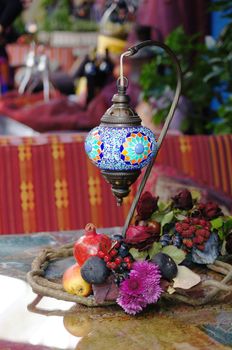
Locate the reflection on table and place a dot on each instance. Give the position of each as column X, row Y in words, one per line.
column 21, row 326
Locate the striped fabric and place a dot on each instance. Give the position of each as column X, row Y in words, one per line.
column 207, row 159
column 47, row 182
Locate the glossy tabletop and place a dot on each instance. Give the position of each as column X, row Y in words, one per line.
column 57, row 324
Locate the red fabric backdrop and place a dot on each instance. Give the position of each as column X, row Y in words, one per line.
column 47, row 182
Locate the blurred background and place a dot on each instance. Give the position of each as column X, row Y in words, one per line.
column 60, row 57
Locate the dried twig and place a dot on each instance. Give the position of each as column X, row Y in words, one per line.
column 44, row 287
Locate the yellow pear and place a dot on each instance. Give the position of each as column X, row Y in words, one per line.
column 73, row 282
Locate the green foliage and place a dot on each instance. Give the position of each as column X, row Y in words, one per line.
column 19, row 25
column 46, row 3
column 137, row 255
column 178, row 255
column 223, row 226
column 217, row 223
column 58, row 19
column 61, row 19
column 166, row 214
column 187, row 233
column 155, row 249
column 223, row 6
column 204, row 68
column 82, row 25
column 224, row 124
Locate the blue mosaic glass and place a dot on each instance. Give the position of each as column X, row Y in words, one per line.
column 94, row 147
column 127, row 148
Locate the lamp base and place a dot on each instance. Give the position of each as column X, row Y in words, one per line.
column 120, row 182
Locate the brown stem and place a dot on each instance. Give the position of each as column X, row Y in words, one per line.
column 164, row 130
column 44, row 287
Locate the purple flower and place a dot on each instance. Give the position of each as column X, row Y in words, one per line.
column 150, row 275
column 133, row 285
column 141, row 288
column 132, row 304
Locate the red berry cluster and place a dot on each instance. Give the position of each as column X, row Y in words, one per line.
column 113, row 259
column 194, row 232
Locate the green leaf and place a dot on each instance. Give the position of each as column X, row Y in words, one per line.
column 155, row 249
column 160, row 116
column 167, row 218
column 138, row 255
column 161, row 205
column 178, row 255
column 221, row 234
column 217, row 223
column 228, row 225
column 180, row 217
column 157, row 216
column 196, row 195
column 164, row 206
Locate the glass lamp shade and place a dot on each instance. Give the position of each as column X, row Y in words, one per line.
column 120, row 146
column 120, row 149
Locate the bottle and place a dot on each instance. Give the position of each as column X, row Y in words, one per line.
column 91, row 72
column 106, row 67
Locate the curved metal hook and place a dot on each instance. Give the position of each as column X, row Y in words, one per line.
column 130, row 52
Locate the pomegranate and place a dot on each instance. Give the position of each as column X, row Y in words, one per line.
column 90, row 243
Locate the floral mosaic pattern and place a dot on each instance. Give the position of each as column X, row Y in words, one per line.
column 94, row 147
column 119, row 149
column 136, row 148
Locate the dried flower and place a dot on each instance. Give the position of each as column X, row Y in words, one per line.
column 146, row 205
column 141, row 237
column 141, row 288
column 209, row 210
column 183, row 200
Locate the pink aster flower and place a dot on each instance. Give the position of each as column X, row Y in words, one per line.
column 132, row 285
column 131, row 304
column 141, row 288
column 150, row 275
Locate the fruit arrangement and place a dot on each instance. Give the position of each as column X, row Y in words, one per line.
column 155, row 256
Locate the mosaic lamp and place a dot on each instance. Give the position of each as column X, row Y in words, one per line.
column 120, row 146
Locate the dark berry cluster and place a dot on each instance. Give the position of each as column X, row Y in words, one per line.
column 175, row 240
column 194, row 232
column 118, row 259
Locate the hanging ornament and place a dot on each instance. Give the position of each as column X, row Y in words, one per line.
column 120, row 146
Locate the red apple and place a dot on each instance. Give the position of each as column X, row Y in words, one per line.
column 90, row 243
column 73, row 282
